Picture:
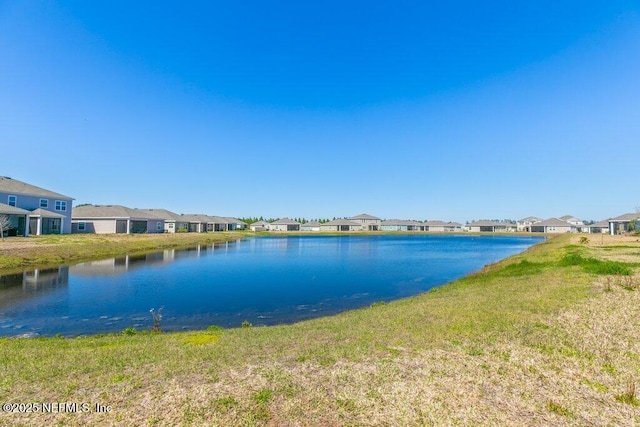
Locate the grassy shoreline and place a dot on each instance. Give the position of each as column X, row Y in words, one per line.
column 546, row 337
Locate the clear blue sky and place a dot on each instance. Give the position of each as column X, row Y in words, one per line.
column 453, row 110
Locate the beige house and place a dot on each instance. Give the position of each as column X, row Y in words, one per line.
column 601, row 227
column 525, row 224
column 284, row 224
column 259, row 226
column 341, row 225
column 310, row 226
column 442, row 227
column 553, row 225
column 485, row 226
column 367, row 222
column 172, row 221
column 111, row 219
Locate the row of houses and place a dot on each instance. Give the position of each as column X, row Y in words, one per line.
column 34, row 210
column 362, row 222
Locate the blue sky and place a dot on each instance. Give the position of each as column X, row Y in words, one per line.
column 452, row 110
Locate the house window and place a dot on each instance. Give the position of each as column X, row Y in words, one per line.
column 61, row 205
column 159, row 225
column 171, row 225
column 82, row 226
column 44, row 203
column 12, row 200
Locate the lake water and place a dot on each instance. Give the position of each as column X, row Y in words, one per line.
column 267, row 280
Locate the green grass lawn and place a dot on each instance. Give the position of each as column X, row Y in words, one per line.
column 542, row 338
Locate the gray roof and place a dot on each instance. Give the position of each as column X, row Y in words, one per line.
column 259, row 224
column 12, row 210
column 342, row 222
column 311, row 224
column 232, row 220
column 601, row 224
column 160, row 214
column 284, row 221
column 626, row 217
column 569, row 218
column 437, row 223
column 364, row 216
column 202, row 218
column 13, row 186
column 396, row 222
column 109, row 212
column 531, row 219
column 45, row 213
column 553, row 222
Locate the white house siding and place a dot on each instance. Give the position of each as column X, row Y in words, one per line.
column 30, row 203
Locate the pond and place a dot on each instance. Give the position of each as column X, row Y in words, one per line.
column 264, row 280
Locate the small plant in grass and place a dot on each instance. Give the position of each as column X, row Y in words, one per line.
column 378, row 304
column 157, row 318
column 129, row 331
column 629, row 395
column 263, row 396
column 584, row 240
column 627, row 283
column 560, row 410
column 246, row 324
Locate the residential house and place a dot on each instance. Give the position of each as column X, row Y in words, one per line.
column 525, row 224
column 484, row 226
column 259, row 226
column 284, row 224
column 441, row 226
column 623, row 223
column 53, row 214
column 310, row 226
column 553, row 225
column 399, row 225
column 18, row 220
column 173, row 222
column 574, row 221
column 110, row 219
column 367, row 222
column 601, row 227
column 341, row 225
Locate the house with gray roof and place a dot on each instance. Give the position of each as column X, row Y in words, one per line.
column 341, row 225
column 367, row 222
column 553, row 225
column 111, row 219
column 17, row 220
column 601, row 227
column 484, row 226
column 284, row 224
column 310, row 226
column 53, row 214
column 401, row 225
column 441, row 226
column 173, row 222
column 623, row 223
column 259, row 226
column 525, row 224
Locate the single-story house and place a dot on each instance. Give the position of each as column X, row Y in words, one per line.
column 601, row 227
column 553, row 225
column 284, row 224
column 172, row 221
column 310, row 226
column 399, row 225
column 340, row 225
column 572, row 220
column 441, row 226
column 109, row 219
column 17, row 220
column 484, row 226
column 259, row 226
column 622, row 224
column 367, row 222
column 525, row 224
column 25, row 196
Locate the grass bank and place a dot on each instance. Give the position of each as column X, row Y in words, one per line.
column 19, row 253
column 543, row 338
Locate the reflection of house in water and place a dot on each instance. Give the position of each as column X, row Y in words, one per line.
column 124, row 263
column 14, row 287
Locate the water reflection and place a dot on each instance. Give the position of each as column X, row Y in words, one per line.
column 262, row 280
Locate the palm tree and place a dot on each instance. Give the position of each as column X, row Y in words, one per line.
column 5, row 224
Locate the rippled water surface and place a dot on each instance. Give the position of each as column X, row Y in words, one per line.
column 267, row 280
